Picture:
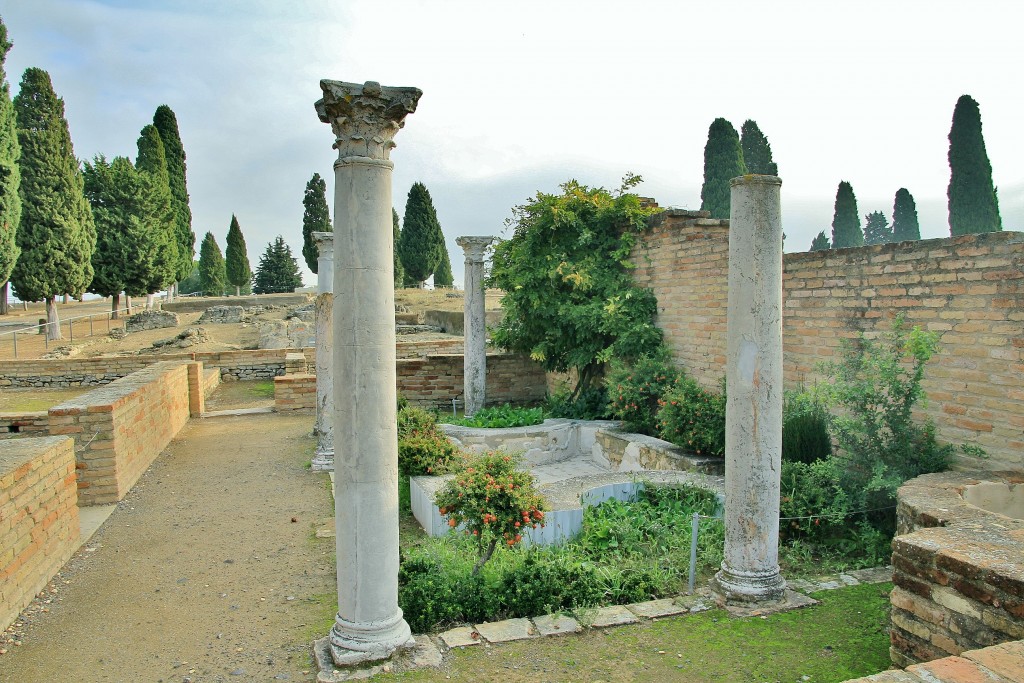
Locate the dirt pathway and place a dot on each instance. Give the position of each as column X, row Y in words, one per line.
column 208, row 571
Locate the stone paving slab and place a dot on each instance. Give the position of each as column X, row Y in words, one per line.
column 695, row 603
column 1006, row 659
column 507, row 630
column 955, row 670
column 873, row 574
column 890, row 676
column 556, row 624
column 793, row 600
column 462, row 636
column 652, row 609
column 615, row 615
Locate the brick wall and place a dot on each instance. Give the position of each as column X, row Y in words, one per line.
column 120, row 428
column 295, row 392
column 428, row 347
column 38, row 518
column 21, row 424
column 970, row 289
column 433, row 381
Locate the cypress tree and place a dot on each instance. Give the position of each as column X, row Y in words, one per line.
column 152, row 161
column 278, row 270
column 10, row 176
column 846, row 230
column 757, row 153
column 422, row 239
column 56, row 234
column 876, row 229
column 174, row 152
column 443, row 274
column 236, row 259
column 399, row 270
column 973, row 204
column 820, row 242
column 130, row 232
column 316, row 217
column 212, row 275
column 904, row 217
column 723, row 161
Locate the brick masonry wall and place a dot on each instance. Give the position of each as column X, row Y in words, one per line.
column 295, row 392
column 433, row 381
column 23, row 424
column 39, row 527
column 119, row 429
column 428, row 347
column 969, row 289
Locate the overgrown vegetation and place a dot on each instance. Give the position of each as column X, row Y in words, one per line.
column 422, row 446
column 496, row 417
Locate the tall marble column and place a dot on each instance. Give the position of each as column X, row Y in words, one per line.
column 365, row 118
column 474, row 323
column 753, row 413
column 323, row 459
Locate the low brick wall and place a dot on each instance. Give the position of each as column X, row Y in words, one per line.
column 39, row 527
column 958, row 570
column 433, row 381
column 120, row 428
column 21, row 424
column 428, row 347
column 295, row 392
column 998, row 664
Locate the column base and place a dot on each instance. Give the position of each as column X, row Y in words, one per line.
column 354, row 643
column 323, row 461
column 733, row 587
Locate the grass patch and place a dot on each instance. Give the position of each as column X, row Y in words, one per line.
column 261, row 388
column 36, row 399
column 498, row 417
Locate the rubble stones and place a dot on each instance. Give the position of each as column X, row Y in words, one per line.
column 150, row 320
column 188, row 337
column 222, row 315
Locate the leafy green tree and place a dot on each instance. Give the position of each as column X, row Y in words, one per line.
column 973, row 204
column 212, row 274
column 316, row 217
column 876, row 229
column 130, row 229
column 56, row 235
column 570, row 301
column 904, row 217
column 757, row 153
column 236, row 258
column 846, row 230
column 820, row 242
column 153, row 162
column 723, row 161
column 190, row 284
column 422, row 240
column 277, row 270
column 399, row 270
column 443, row 273
column 10, row 176
column 174, row 152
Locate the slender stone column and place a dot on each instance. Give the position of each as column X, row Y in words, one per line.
column 753, row 413
column 323, row 460
column 474, row 323
column 369, row 624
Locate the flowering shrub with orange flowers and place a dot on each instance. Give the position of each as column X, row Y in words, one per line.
column 493, row 501
column 693, row 417
column 422, row 446
column 634, row 389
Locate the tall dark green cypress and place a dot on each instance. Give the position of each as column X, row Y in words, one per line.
column 316, row 217
column 236, row 259
column 820, row 242
column 152, row 161
column 278, row 270
column 973, row 204
column 212, row 275
column 904, row 217
column 174, row 151
column 757, row 153
column 846, row 230
column 443, row 274
column 422, row 239
column 130, row 229
column 56, row 234
column 10, row 176
column 876, row 229
column 723, row 161
column 399, row 270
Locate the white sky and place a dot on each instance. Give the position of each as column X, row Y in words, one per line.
column 520, row 96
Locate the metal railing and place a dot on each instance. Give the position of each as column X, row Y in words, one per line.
column 38, row 328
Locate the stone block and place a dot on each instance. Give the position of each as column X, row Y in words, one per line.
column 507, row 630
column 1006, row 659
column 555, row 624
column 614, row 615
column 652, row 609
column 955, row 670
column 150, row 320
column 462, row 636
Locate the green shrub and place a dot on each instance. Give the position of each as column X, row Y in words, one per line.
column 805, row 436
column 588, row 404
column 693, row 418
column 502, row 416
column 422, row 446
column 813, row 495
column 635, row 390
column 549, row 580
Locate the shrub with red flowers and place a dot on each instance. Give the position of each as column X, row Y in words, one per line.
column 693, row 417
column 635, row 389
column 422, row 446
column 492, row 501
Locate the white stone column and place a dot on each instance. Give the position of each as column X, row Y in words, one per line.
column 369, row 624
column 753, row 422
column 474, row 323
column 323, row 459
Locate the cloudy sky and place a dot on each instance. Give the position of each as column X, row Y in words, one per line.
column 521, row 96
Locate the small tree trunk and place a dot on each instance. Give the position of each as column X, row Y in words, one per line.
column 52, row 320
column 486, row 556
column 238, row 290
column 115, row 304
column 3, row 300
column 149, row 301
column 128, row 304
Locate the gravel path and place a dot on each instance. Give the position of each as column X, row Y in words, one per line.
column 208, row 571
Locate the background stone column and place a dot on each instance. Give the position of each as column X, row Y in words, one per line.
column 474, row 323
column 369, row 624
column 753, row 422
column 323, row 459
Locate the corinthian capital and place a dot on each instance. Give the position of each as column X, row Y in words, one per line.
column 365, row 117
